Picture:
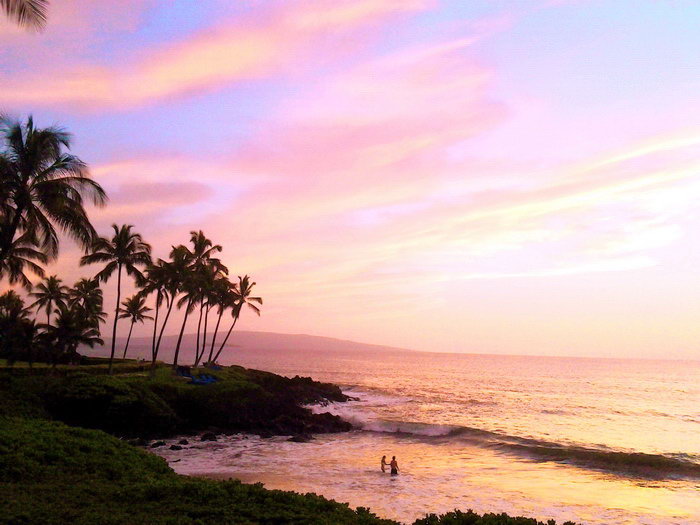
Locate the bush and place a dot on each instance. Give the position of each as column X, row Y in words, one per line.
column 113, row 404
column 458, row 517
column 51, row 473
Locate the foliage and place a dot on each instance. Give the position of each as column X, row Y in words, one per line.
column 49, row 293
column 138, row 405
column 51, row 473
column 26, row 13
column 458, row 517
column 41, row 187
column 36, row 450
column 18, row 333
column 125, row 250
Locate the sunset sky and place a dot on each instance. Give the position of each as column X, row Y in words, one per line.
column 483, row 176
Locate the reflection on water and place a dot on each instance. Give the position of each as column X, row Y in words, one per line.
column 470, row 431
column 438, row 478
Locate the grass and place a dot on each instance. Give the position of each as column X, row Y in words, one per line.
column 134, row 403
column 54, row 473
column 55, row 468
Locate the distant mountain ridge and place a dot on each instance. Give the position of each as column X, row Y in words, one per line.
column 243, row 341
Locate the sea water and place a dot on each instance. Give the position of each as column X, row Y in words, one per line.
column 589, row 440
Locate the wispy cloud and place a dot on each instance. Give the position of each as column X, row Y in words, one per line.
column 260, row 44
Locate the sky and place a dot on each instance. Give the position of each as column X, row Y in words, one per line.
column 488, row 176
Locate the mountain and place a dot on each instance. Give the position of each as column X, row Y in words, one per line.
column 243, row 342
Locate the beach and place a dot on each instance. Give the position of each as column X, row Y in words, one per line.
column 588, row 440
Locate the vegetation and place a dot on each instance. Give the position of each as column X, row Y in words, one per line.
column 125, row 250
column 135, row 309
column 52, row 473
column 42, row 187
column 134, row 404
column 458, row 517
column 27, row 13
column 48, row 294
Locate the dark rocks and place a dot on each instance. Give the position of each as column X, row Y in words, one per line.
column 175, row 447
column 301, row 438
column 157, row 444
column 183, row 442
column 209, row 436
column 265, row 434
column 327, row 423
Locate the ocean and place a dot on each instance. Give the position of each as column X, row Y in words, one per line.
column 596, row 441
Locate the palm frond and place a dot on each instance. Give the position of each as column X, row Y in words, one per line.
column 27, row 13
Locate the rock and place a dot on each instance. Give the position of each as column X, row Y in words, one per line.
column 300, row 438
column 265, row 434
column 157, row 444
column 183, row 442
column 175, row 447
column 325, row 423
column 209, row 436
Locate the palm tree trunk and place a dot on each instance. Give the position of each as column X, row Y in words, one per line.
column 6, row 240
column 216, row 331
column 235, row 320
column 155, row 324
column 116, row 316
column 162, row 328
column 128, row 338
column 179, row 337
column 206, row 319
column 199, row 328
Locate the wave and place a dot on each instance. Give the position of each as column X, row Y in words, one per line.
column 656, row 466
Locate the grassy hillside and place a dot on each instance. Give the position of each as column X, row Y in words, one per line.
column 132, row 403
column 53, row 473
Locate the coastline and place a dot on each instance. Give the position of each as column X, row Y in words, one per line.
column 57, row 471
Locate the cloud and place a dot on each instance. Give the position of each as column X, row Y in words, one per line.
column 253, row 46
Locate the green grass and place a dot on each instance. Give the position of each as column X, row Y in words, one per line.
column 53, row 473
column 134, row 403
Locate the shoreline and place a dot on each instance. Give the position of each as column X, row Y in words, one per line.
column 55, row 469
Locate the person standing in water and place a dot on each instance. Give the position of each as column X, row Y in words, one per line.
column 384, row 463
column 394, row 466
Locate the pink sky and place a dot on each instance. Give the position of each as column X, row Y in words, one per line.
column 492, row 176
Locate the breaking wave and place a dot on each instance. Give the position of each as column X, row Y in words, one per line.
column 621, row 462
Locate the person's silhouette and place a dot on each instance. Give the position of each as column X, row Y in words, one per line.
column 384, row 463
column 394, row 466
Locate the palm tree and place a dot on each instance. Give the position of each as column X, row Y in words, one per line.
column 42, row 185
column 170, row 276
column 18, row 332
column 191, row 295
column 12, row 306
column 125, row 250
column 245, row 288
column 70, row 331
column 211, row 273
column 201, row 269
column 50, row 292
column 155, row 280
column 26, row 13
column 21, row 255
column 87, row 295
column 226, row 296
column 134, row 308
